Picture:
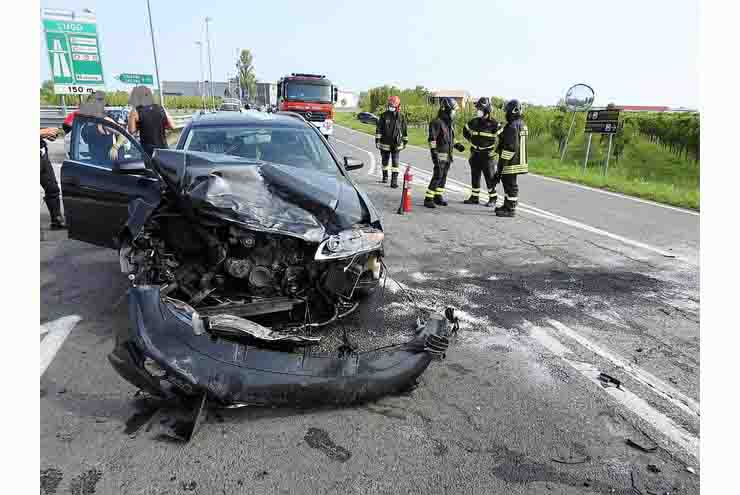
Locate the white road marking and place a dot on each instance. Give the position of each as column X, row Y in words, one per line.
column 573, row 184
column 671, row 394
column 618, row 195
column 459, row 188
column 573, row 223
column 56, row 333
column 673, row 432
column 372, row 156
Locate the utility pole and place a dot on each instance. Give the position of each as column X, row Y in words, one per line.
column 239, row 75
column 201, row 80
column 210, row 66
column 154, row 50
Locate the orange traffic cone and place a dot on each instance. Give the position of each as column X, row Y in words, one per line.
column 406, row 192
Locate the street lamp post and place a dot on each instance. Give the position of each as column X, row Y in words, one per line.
column 210, row 66
column 200, row 81
column 154, row 50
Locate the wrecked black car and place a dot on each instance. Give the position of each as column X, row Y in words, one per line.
column 238, row 244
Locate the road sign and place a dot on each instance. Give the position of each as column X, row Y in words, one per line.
column 74, row 52
column 602, row 121
column 136, row 79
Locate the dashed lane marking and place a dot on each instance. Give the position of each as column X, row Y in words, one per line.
column 53, row 334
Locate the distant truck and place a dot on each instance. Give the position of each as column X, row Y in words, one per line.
column 313, row 96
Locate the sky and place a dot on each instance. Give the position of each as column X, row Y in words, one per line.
column 631, row 52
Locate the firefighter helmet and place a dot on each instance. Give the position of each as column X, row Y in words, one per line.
column 394, row 101
column 513, row 109
column 447, row 104
column 484, row 104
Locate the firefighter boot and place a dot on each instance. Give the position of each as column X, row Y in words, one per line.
column 507, row 210
column 429, row 203
column 394, row 180
column 440, row 200
column 385, row 177
column 473, row 199
column 492, row 198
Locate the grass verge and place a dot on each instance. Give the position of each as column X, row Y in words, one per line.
column 646, row 171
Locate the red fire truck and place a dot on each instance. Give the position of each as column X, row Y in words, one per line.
column 310, row 95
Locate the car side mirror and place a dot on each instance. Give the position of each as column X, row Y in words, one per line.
column 129, row 167
column 352, row 163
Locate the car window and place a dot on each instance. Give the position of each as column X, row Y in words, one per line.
column 295, row 147
column 94, row 143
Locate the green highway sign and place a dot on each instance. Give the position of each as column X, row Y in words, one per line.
column 137, row 79
column 74, row 52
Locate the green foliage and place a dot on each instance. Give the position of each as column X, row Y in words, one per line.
column 247, row 76
column 678, row 133
column 47, row 96
column 375, row 99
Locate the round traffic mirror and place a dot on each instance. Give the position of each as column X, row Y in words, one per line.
column 579, row 98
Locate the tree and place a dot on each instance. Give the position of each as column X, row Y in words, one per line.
column 247, row 77
column 47, row 93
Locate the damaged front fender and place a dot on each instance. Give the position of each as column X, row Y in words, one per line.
column 231, row 372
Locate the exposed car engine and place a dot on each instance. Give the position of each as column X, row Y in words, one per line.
column 224, row 268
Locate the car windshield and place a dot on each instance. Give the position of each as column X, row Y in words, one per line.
column 308, row 92
column 295, row 147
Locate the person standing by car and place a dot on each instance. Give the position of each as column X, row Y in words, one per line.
column 481, row 132
column 441, row 142
column 390, row 138
column 149, row 119
column 512, row 150
column 49, row 181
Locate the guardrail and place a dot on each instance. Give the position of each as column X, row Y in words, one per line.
column 53, row 116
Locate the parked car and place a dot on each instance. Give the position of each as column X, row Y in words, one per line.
column 367, row 118
column 238, row 243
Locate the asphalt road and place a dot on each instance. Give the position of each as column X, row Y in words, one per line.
column 577, row 285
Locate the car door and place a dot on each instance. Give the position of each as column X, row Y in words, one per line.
column 97, row 187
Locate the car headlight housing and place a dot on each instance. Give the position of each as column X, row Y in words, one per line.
column 349, row 243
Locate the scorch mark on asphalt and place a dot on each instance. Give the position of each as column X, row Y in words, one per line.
column 53, row 334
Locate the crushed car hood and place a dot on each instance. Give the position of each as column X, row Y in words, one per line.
column 303, row 203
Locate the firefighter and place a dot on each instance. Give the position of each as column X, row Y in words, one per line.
column 390, row 138
column 481, row 132
column 512, row 150
column 441, row 142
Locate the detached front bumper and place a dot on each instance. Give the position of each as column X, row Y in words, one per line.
column 191, row 365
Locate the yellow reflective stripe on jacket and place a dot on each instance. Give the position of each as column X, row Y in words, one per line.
column 482, row 148
column 486, row 134
column 507, row 155
column 378, row 136
column 515, row 169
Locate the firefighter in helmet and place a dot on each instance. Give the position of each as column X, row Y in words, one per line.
column 481, row 132
column 441, row 142
column 390, row 138
column 512, row 150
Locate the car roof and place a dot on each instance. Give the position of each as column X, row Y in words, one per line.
column 248, row 117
